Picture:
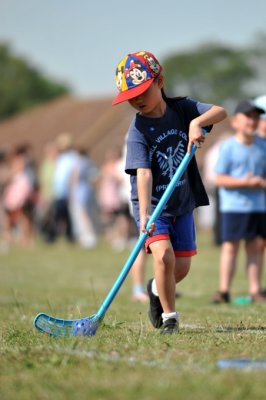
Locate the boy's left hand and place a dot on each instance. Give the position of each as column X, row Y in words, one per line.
column 195, row 136
column 143, row 222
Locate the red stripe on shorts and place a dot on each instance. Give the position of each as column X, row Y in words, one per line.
column 185, row 253
column 165, row 236
column 155, row 238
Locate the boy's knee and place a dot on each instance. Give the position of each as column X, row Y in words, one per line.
column 261, row 245
column 230, row 247
column 166, row 258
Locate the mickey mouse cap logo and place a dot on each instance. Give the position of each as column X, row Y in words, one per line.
column 134, row 74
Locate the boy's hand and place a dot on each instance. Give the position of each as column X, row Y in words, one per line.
column 195, row 136
column 143, row 223
column 254, row 181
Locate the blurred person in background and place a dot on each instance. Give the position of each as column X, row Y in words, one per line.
column 210, row 218
column 64, row 167
column 25, row 150
column 46, row 197
column 30, row 168
column 241, row 178
column 113, row 205
column 138, row 269
column 4, row 177
column 18, row 204
column 261, row 131
column 261, row 139
column 83, row 205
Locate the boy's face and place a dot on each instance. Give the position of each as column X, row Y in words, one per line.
column 246, row 124
column 147, row 102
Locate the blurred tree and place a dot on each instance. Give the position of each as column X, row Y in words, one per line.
column 257, row 59
column 212, row 73
column 258, row 46
column 23, row 86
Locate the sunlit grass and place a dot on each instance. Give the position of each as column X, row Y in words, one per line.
column 127, row 358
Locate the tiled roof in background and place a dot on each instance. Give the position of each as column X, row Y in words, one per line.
column 94, row 123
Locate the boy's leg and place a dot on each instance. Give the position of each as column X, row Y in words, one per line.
column 227, row 264
column 172, row 245
column 137, row 273
column 262, row 247
column 227, row 268
column 182, row 267
column 164, row 269
column 253, row 266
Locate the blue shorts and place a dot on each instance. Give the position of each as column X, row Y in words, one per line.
column 179, row 230
column 242, row 226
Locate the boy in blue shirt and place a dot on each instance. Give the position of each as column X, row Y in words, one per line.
column 160, row 134
column 241, row 178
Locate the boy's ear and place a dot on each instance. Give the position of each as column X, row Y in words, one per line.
column 160, row 81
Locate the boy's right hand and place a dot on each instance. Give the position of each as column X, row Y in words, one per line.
column 143, row 223
column 254, row 181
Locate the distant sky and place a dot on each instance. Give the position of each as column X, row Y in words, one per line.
column 81, row 41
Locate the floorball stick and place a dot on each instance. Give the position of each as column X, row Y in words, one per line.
column 88, row 325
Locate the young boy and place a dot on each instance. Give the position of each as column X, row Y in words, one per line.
column 158, row 138
column 241, row 178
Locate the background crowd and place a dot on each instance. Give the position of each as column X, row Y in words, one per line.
column 66, row 196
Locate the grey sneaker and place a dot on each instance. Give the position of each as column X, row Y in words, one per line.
column 170, row 326
column 156, row 309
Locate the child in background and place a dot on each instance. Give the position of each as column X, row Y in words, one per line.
column 17, row 200
column 158, row 138
column 241, row 178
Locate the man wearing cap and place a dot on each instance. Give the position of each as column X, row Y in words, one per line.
column 241, row 179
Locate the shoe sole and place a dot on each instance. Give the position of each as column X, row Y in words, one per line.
column 156, row 323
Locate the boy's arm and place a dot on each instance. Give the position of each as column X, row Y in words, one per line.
column 249, row 181
column 144, row 184
column 214, row 115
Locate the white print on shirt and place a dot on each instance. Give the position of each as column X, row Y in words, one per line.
column 164, row 135
column 164, row 187
column 170, row 160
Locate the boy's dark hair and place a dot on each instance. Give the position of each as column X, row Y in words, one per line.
column 167, row 99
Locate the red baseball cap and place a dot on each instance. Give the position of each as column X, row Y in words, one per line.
column 134, row 75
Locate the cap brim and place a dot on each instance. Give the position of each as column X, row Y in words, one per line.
column 131, row 93
column 248, row 110
column 259, row 110
column 254, row 109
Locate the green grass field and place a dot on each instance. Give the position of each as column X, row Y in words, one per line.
column 127, row 358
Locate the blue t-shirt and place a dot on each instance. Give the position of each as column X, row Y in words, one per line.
column 64, row 167
column 237, row 160
column 160, row 144
column 261, row 141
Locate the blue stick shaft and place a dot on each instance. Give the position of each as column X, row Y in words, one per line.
column 138, row 246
